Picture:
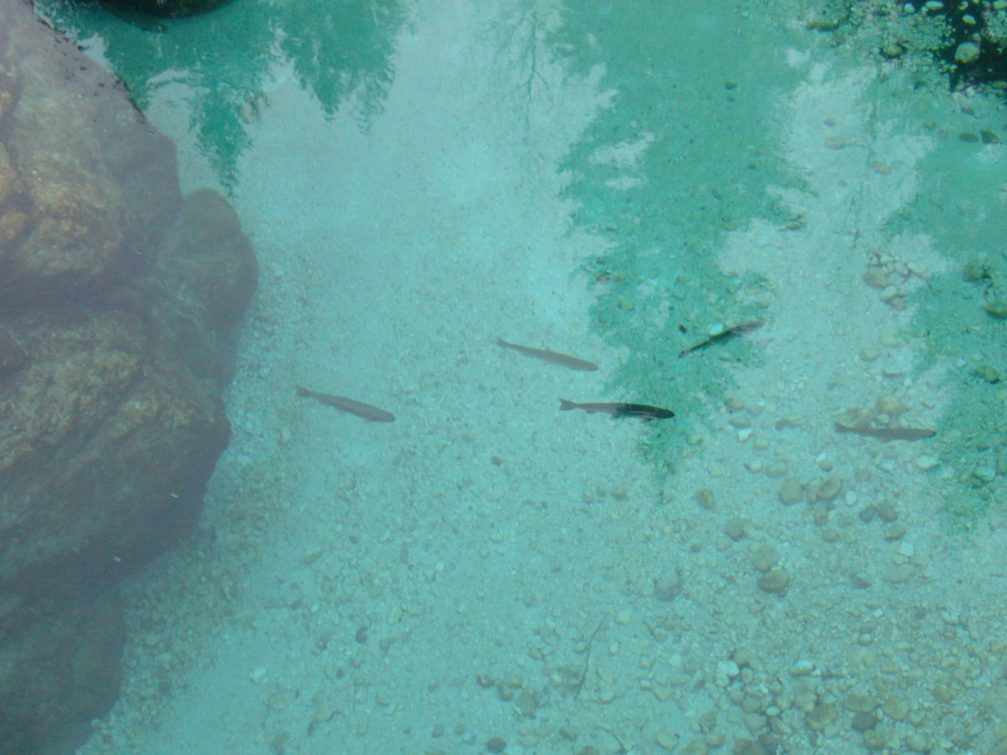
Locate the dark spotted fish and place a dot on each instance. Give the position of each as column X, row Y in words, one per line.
column 643, row 411
column 723, row 335
column 554, row 357
column 342, row 403
column 889, row 433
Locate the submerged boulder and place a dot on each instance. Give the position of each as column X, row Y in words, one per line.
column 60, row 661
column 87, row 187
column 119, row 305
column 107, row 443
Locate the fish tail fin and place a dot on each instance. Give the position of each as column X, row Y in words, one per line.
column 841, row 428
column 501, row 342
column 301, row 391
column 565, row 406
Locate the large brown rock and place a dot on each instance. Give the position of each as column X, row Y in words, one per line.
column 86, row 186
column 207, row 268
column 106, row 444
column 119, row 302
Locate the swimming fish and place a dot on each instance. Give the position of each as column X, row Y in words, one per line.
column 551, row 356
column 722, row 333
column 643, row 411
column 342, row 403
column 889, row 433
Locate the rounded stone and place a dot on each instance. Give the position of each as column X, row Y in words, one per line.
column 864, row 721
column 996, row 307
column 791, row 492
column 821, row 716
column 895, row 532
column 775, row 580
column 967, row 52
column 735, row 528
column 829, row 489
column 764, row 557
column 896, row 709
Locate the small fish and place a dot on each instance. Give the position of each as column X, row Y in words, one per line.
column 723, row 333
column 342, row 403
column 889, row 433
column 551, row 356
column 643, row 411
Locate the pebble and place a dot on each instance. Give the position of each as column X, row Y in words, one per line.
column 887, row 512
column 820, row 716
column 985, row 473
column 926, row 462
column 764, row 557
column 829, row 489
column 987, row 373
column 257, row 675
column 775, row 580
column 896, row 709
column 889, row 404
column 861, row 581
column 996, row 307
column 735, row 528
column 726, row 671
column 695, row 747
column 895, row 532
column 667, row 741
column 864, row 721
column 967, row 52
column 791, row 492
column 704, row 497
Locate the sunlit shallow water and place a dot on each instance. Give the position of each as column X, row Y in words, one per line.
column 420, row 179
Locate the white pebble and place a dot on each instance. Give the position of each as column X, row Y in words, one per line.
column 726, row 671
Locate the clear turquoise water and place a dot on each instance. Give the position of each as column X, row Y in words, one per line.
column 606, row 180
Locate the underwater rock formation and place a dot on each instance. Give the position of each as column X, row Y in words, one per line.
column 119, row 304
column 85, row 190
column 107, row 442
column 60, row 662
